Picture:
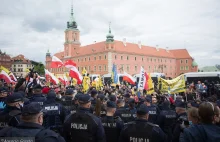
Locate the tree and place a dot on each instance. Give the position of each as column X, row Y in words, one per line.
column 39, row 69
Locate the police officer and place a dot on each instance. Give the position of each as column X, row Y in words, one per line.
column 68, row 101
column 10, row 116
column 37, row 95
column 166, row 119
column 131, row 105
column 83, row 126
column 103, row 104
column 112, row 125
column 55, row 113
column 31, row 126
column 126, row 98
column 141, row 130
column 152, row 110
column 3, row 95
column 124, row 113
column 180, row 120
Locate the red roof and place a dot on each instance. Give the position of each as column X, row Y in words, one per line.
column 180, row 53
column 130, row 48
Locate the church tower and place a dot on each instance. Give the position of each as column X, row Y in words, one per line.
column 109, row 39
column 72, row 37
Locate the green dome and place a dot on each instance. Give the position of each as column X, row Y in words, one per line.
column 109, row 35
column 194, row 64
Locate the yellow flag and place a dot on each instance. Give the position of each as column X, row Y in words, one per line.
column 27, row 70
column 84, row 71
column 150, row 85
column 4, row 69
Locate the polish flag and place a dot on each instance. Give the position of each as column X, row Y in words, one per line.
column 66, row 80
column 53, row 78
column 5, row 76
column 62, row 80
column 13, row 77
column 74, row 73
column 127, row 77
column 69, row 64
column 56, row 62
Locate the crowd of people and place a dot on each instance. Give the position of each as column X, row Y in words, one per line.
column 110, row 114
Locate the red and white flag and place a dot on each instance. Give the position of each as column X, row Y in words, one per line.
column 127, row 77
column 6, row 77
column 69, row 64
column 56, row 62
column 54, row 80
column 66, row 80
column 142, row 80
column 61, row 79
column 13, row 77
column 74, row 73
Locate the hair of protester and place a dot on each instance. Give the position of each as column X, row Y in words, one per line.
column 206, row 112
column 193, row 112
column 37, row 91
column 98, row 107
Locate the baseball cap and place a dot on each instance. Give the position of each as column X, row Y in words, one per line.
column 85, row 98
column 94, row 92
column 148, row 99
column 31, row 109
column 111, row 104
column 69, row 92
column 51, row 94
column 15, row 97
column 120, row 101
column 180, row 104
column 142, row 110
column 131, row 101
column 101, row 96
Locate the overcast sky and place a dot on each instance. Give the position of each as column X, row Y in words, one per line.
column 30, row 27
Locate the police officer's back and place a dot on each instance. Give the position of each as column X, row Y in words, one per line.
column 180, row 119
column 31, row 126
column 153, row 111
column 141, row 129
column 83, row 126
column 124, row 113
column 55, row 113
column 166, row 119
column 10, row 116
column 68, row 101
column 112, row 125
column 37, row 95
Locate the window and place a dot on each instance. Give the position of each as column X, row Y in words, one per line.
column 175, row 73
column 186, row 61
column 78, row 60
column 88, row 68
column 105, row 68
column 105, row 57
column 165, row 60
column 127, row 57
column 142, row 59
column 115, row 57
column 121, row 57
column 158, row 60
column 122, row 67
column 95, row 58
column 135, row 68
column 81, row 68
column 100, row 68
column 151, row 59
column 135, row 58
column 85, row 59
column 181, row 68
column 14, row 70
column 100, row 57
column 147, row 59
column 89, row 58
column 78, row 69
column 170, row 61
column 170, row 67
column 94, row 68
column 161, row 60
column 14, row 65
column 149, row 68
column 127, row 67
column 186, row 68
column 181, row 61
column 155, row 60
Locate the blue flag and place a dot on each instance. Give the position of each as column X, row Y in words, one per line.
column 114, row 74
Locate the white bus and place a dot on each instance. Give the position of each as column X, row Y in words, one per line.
column 154, row 76
column 107, row 78
column 202, row 76
column 93, row 76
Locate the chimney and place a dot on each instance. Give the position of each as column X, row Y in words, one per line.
column 157, row 48
column 167, row 49
column 139, row 44
column 124, row 41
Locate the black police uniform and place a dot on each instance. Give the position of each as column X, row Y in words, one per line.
column 166, row 120
column 141, row 130
column 55, row 113
column 10, row 116
column 125, row 114
column 112, row 125
column 2, row 99
column 30, row 129
column 83, row 126
column 39, row 98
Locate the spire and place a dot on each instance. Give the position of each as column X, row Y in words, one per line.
column 48, row 53
column 109, row 36
column 71, row 24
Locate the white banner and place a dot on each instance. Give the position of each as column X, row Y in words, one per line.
column 142, row 79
